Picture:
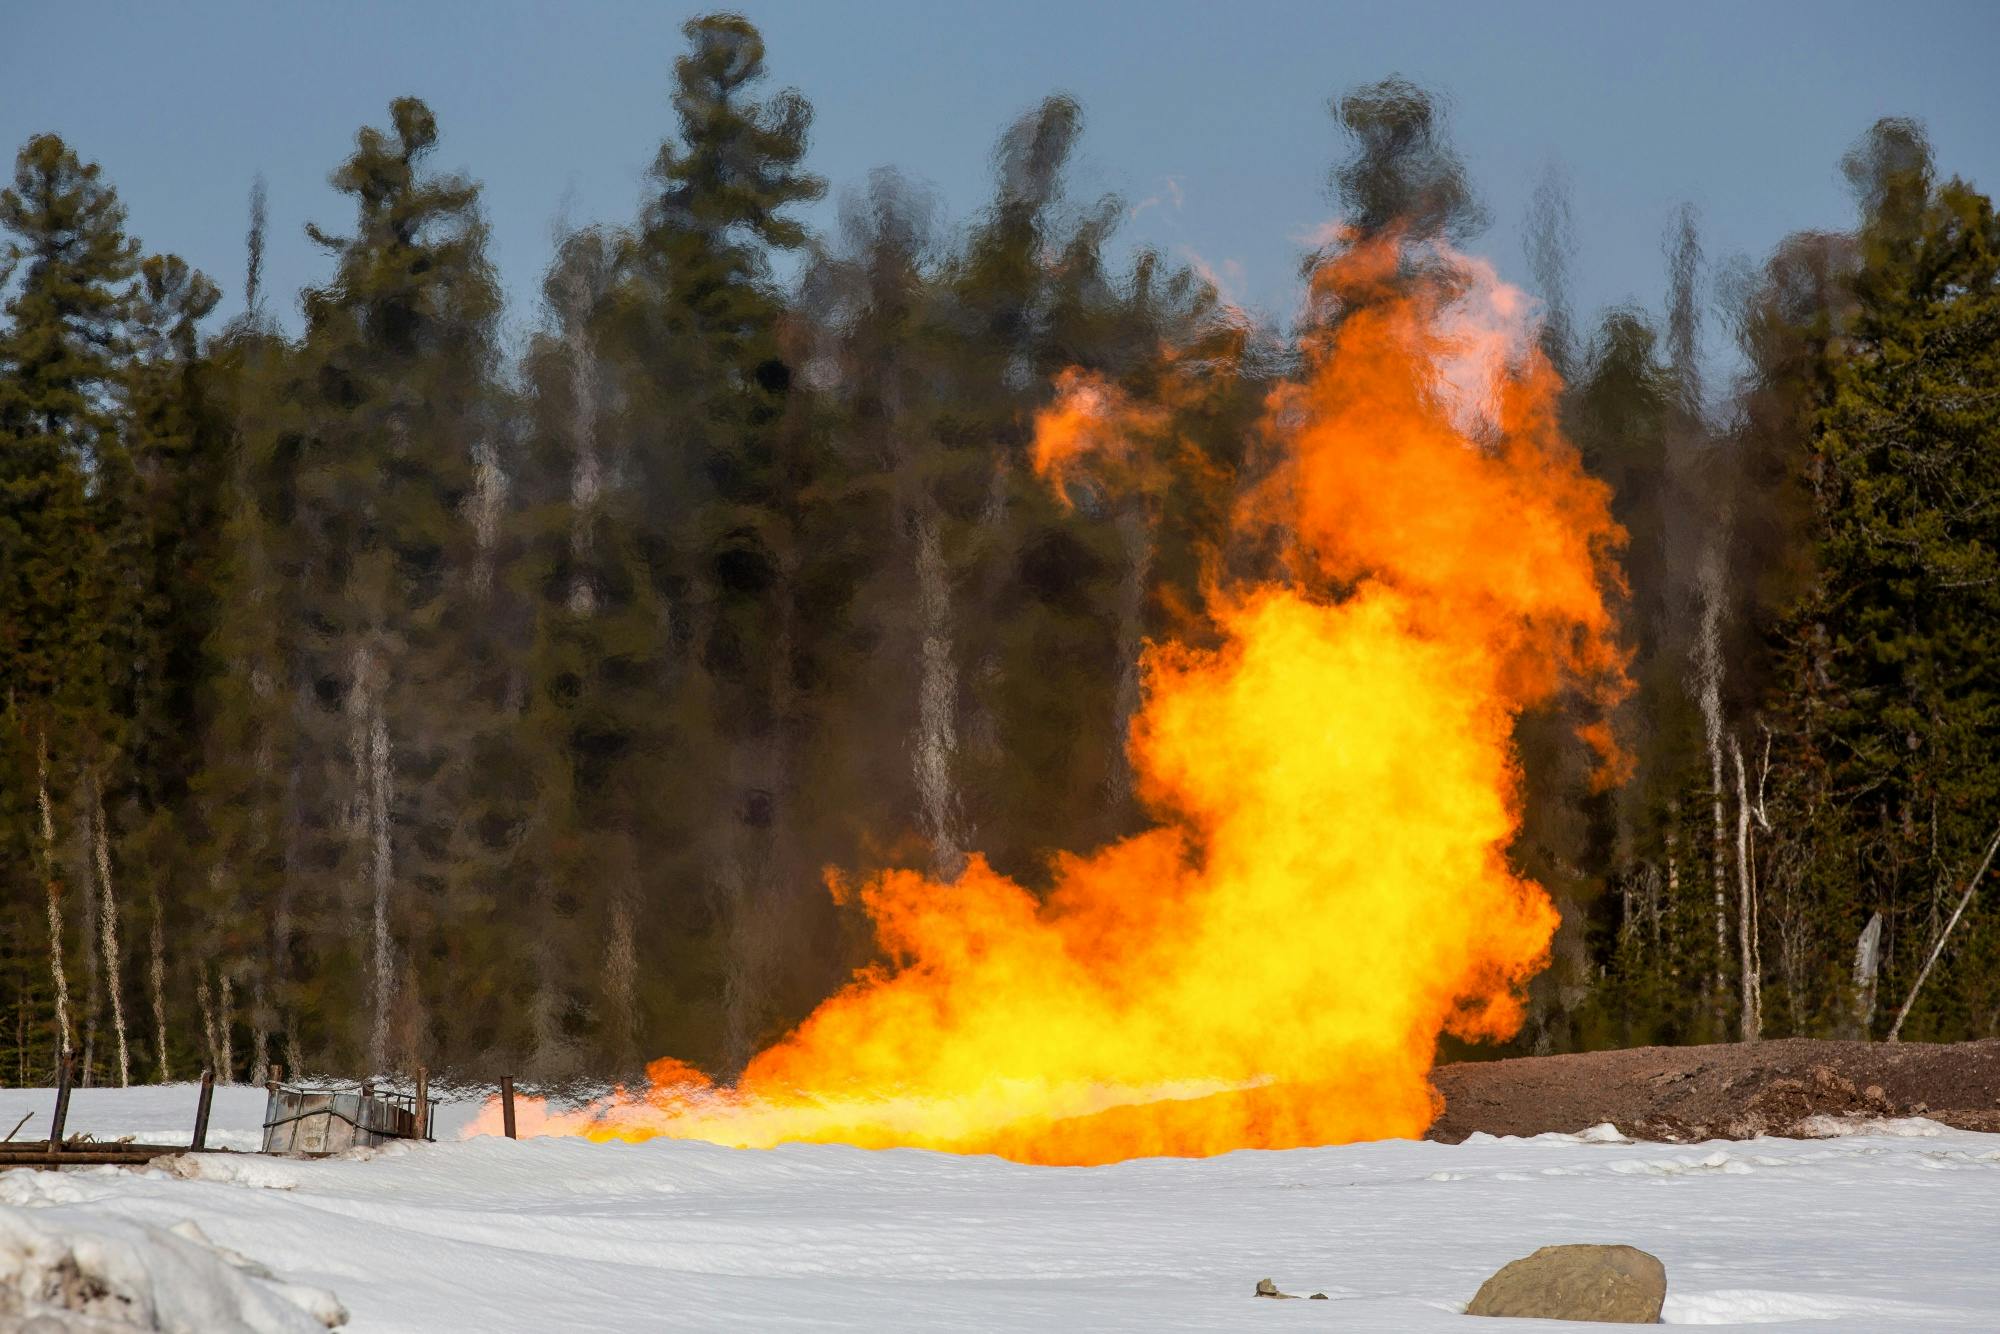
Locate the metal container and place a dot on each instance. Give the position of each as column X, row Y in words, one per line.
column 322, row 1121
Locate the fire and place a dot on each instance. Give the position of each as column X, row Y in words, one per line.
column 1325, row 889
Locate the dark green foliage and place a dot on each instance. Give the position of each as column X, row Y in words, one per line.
column 1403, row 172
column 1893, row 643
column 69, row 537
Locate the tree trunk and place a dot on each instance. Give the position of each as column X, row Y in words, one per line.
column 260, row 1027
column 1673, row 887
column 156, row 979
column 1751, row 1020
column 107, row 917
column 56, row 973
column 226, row 1026
column 380, row 865
column 936, row 750
column 1708, row 672
column 205, row 998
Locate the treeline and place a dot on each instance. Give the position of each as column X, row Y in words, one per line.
column 373, row 697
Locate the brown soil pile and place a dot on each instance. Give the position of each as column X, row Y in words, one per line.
column 1732, row 1091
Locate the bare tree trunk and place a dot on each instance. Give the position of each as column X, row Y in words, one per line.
column 93, row 973
column 936, row 750
column 206, row 1000
column 1867, row 967
column 487, row 505
column 260, row 1028
column 1760, row 811
column 226, row 1025
column 1751, row 1022
column 156, row 979
column 381, row 863
column 1673, row 887
column 56, row 973
column 107, row 918
column 1964, row 902
column 1708, row 670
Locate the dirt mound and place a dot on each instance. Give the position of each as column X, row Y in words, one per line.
column 1727, row 1091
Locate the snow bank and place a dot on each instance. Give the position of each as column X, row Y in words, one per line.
column 1890, row 1228
column 112, row 1274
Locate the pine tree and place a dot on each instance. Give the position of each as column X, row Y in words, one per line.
column 388, row 475
column 178, row 434
column 64, row 498
column 723, row 477
column 1897, row 631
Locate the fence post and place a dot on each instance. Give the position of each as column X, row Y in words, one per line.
column 423, row 1104
column 507, row 1104
column 200, row 1140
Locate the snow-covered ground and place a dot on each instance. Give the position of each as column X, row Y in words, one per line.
column 1890, row 1230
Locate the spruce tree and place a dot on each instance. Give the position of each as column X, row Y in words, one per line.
column 1898, row 628
column 178, row 438
column 724, row 469
column 64, row 501
column 389, row 469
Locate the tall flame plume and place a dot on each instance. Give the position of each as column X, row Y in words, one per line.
column 1331, row 775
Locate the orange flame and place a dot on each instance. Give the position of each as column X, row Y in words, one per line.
column 1094, row 427
column 1334, row 785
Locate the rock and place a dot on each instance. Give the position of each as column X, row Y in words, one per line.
column 1319, row 1297
column 1266, row 1288
column 1616, row 1284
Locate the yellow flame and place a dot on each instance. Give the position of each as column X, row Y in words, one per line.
column 1325, row 889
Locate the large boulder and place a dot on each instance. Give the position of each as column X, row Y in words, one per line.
column 1617, row 1284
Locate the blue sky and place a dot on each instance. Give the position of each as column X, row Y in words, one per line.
column 1215, row 112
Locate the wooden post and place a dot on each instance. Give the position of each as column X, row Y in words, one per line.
column 507, row 1104
column 64, row 1073
column 274, row 1077
column 423, row 1103
column 200, row 1140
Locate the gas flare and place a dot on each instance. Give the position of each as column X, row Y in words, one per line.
column 1325, row 889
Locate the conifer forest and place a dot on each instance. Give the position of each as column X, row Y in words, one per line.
column 380, row 690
